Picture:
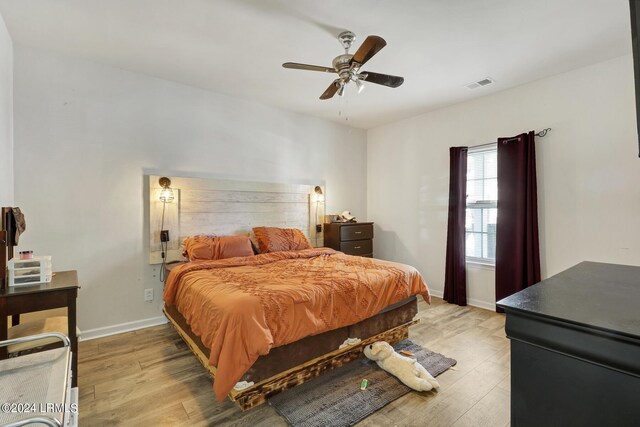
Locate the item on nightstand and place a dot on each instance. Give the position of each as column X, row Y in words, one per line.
column 407, row 370
column 27, row 272
column 330, row 218
column 347, row 217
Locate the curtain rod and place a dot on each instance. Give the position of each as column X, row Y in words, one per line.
column 540, row 134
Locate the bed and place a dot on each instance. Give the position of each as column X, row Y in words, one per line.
column 276, row 319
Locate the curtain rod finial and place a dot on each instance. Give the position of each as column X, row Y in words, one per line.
column 543, row 132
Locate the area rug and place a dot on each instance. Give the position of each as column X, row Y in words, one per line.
column 335, row 398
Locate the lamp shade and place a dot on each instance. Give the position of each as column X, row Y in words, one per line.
column 166, row 195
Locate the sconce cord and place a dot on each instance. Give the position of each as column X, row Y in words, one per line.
column 316, row 230
column 163, row 248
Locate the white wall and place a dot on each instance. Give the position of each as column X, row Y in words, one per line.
column 86, row 134
column 6, row 116
column 588, row 173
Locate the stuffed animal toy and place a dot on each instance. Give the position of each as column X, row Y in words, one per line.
column 407, row 370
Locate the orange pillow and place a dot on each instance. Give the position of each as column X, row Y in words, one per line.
column 198, row 248
column 273, row 239
column 201, row 248
column 233, row 246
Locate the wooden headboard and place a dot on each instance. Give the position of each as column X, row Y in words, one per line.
column 229, row 207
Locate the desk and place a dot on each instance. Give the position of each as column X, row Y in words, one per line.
column 62, row 291
column 575, row 348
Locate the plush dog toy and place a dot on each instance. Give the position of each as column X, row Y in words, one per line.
column 407, row 370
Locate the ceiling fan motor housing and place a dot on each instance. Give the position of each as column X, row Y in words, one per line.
column 342, row 64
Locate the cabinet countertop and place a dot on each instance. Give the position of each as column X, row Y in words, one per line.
column 590, row 294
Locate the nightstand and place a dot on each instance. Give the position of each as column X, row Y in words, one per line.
column 352, row 238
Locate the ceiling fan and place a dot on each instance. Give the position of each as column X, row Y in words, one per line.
column 347, row 66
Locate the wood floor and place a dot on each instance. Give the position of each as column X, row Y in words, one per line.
column 150, row 378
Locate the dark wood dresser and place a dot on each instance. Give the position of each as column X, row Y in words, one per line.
column 352, row 238
column 575, row 348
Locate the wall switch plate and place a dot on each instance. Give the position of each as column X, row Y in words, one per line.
column 148, row 295
column 164, row 236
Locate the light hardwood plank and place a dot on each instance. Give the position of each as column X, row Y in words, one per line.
column 149, row 377
column 244, row 196
column 491, row 410
column 240, row 207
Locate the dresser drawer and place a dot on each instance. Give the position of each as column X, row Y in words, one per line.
column 350, row 238
column 356, row 232
column 357, row 247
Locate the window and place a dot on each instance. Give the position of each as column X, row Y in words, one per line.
column 482, row 204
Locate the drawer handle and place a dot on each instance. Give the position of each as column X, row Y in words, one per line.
column 357, row 247
column 357, row 232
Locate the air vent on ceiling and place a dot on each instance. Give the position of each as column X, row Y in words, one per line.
column 482, row 82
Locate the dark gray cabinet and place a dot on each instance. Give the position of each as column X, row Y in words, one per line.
column 575, row 348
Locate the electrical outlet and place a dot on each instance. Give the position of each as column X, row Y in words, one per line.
column 148, row 295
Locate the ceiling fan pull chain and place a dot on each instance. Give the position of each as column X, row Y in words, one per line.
column 346, row 102
column 343, row 110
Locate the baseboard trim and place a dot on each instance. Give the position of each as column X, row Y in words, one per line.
column 481, row 304
column 436, row 293
column 470, row 301
column 106, row 331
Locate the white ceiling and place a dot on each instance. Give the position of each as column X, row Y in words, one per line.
column 236, row 47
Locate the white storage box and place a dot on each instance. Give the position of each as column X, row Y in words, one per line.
column 26, row 272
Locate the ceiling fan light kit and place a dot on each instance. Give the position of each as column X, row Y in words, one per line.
column 347, row 66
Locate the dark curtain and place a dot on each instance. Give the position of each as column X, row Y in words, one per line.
column 517, row 245
column 455, row 278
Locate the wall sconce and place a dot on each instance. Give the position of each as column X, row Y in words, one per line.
column 166, row 196
column 319, row 199
column 319, row 194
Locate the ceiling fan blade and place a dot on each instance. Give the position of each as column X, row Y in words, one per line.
column 370, row 47
column 296, row 66
column 331, row 90
column 382, row 79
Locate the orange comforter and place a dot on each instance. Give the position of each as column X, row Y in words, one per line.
column 242, row 307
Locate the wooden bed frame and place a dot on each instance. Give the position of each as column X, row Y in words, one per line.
column 231, row 206
column 258, row 393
